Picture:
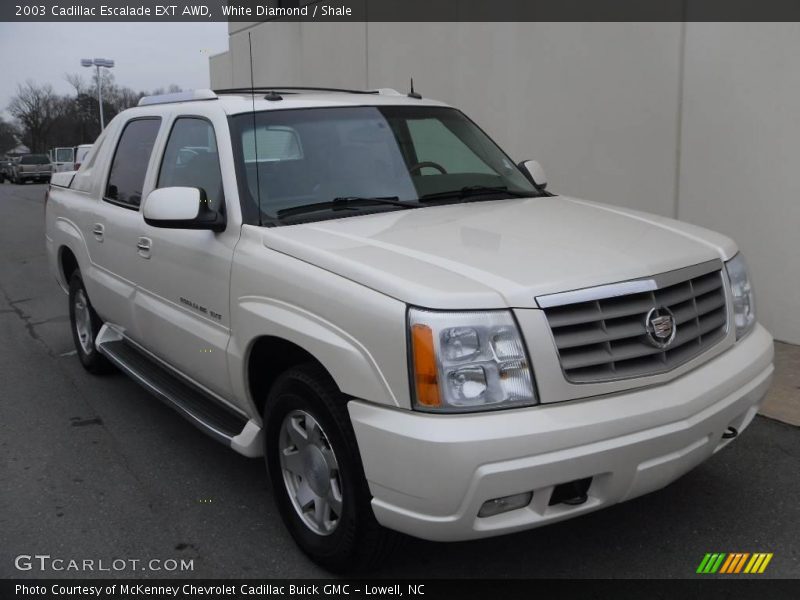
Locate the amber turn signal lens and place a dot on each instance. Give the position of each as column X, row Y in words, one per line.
column 425, row 377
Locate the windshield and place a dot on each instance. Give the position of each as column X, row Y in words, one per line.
column 298, row 158
column 35, row 159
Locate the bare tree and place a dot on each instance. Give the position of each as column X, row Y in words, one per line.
column 77, row 82
column 36, row 107
column 172, row 88
column 126, row 98
column 8, row 137
column 45, row 119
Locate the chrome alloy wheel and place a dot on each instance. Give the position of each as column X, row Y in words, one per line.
column 83, row 322
column 310, row 472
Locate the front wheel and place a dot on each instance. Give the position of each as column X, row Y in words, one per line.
column 316, row 473
column 85, row 326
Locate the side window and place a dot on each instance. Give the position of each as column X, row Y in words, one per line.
column 191, row 159
column 129, row 166
column 434, row 142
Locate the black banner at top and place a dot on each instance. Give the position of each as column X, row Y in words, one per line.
column 399, row 10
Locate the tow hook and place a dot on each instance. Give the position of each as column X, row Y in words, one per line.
column 730, row 433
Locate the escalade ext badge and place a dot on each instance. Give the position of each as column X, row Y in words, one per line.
column 661, row 327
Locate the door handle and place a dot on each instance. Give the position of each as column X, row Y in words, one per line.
column 143, row 247
column 98, row 230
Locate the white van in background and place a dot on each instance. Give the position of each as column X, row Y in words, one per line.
column 63, row 159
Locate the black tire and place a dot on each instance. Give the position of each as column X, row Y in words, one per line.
column 90, row 358
column 358, row 543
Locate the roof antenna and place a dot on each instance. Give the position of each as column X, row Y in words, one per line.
column 412, row 93
column 255, row 132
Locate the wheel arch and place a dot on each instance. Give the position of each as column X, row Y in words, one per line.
column 67, row 263
column 269, row 356
column 69, row 249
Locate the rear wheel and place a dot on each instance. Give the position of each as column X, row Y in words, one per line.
column 316, row 473
column 85, row 327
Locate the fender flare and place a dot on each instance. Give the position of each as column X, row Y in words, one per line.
column 347, row 360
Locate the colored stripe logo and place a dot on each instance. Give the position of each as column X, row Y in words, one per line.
column 734, row 563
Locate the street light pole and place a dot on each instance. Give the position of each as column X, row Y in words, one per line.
column 99, row 62
column 100, row 98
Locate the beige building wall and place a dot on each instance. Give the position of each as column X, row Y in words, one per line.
column 740, row 154
column 220, row 71
column 601, row 118
column 696, row 121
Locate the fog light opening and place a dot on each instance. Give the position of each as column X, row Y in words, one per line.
column 498, row 506
column 573, row 493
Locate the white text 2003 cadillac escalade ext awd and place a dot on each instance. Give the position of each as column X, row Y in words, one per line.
column 364, row 288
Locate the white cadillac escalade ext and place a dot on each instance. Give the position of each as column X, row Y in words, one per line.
column 365, row 289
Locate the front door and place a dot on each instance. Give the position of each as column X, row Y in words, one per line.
column 182, row 304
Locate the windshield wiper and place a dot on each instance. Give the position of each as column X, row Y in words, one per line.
column 345, row 203
column 475, row 190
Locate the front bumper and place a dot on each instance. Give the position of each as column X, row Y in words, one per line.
column 430, row 474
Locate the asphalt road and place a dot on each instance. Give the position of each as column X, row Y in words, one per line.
column 95, row 468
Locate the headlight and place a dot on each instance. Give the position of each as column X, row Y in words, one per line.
column 744, row 301
column 468, row 361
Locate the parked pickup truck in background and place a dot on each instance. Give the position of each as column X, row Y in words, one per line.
column 31, row 167
column 416, row 334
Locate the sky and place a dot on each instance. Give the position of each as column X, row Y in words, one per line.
column 147, row 55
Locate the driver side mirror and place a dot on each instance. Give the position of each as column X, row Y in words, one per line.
column 534, row 171
column 181, row 208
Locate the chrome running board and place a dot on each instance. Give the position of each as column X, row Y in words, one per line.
column 204, row 412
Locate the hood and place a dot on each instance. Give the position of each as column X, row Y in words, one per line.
column 498, row 254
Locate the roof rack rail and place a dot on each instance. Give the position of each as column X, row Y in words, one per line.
column 387, row 92
column 290, row 89
column 187, row 96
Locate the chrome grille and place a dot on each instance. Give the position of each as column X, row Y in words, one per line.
column 605, row 338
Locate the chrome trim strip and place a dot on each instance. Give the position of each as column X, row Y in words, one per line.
column 633, row 286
